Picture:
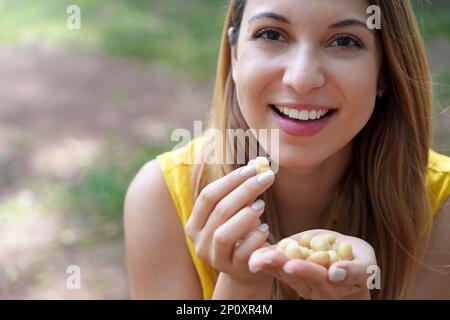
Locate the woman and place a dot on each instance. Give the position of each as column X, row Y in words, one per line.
column 352, row 105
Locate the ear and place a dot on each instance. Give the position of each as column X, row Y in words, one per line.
column 233, row 51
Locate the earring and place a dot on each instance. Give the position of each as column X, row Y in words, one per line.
column 379, row 93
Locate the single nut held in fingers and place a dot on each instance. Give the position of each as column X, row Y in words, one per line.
column 261, row 164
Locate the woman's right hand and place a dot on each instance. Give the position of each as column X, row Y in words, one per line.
column 222, row 223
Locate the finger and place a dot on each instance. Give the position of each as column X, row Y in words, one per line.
column 237, row 227
column 253, row 241
column 254, row 228
column 213, row 193
column 350, row 273
column 267, row 259
column 312, row 273
column 240, row 197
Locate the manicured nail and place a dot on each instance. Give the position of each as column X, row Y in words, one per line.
column 258, row 205
column 287, row 270
column 270, row 262
column 248, row 171
column 266, row 177
column 264, row 227
column 254, row 269
column 268, row 259
column 338, row 274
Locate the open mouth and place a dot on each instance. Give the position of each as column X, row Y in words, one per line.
column 302, row 116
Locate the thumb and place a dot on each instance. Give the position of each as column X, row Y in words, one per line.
column 351, row 273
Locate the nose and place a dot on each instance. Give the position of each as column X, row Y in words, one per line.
column 304, row 71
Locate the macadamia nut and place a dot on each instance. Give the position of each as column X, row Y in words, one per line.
column 320, row 243
column 319, row 257
column 321, row 249
column 345, row 251
column 261, row 164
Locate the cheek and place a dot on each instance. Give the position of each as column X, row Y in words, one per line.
column 253, row 76
column 357, row 84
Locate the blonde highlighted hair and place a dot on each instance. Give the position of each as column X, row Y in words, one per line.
column 382, row 198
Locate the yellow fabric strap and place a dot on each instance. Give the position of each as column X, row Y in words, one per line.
column 438, row 179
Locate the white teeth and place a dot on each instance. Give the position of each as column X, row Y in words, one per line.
column 302, row 114
column 293, row 113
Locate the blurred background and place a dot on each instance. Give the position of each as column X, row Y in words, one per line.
column 82, row 110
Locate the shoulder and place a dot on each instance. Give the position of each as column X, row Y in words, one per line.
column 159, row 263
column 145, row 190
column 438, row 179
column 434, row 284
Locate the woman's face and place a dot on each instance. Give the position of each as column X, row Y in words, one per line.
column 298, row 56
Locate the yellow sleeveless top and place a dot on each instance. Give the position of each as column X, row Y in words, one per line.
column 176, row 167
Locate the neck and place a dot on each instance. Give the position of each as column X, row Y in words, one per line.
column 302, row 195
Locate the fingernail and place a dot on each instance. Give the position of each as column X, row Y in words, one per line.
column 248, row 171
column 264, row 227
column 254, row 269
column 266, row 177
column 287, row 270
column 270, row 262
column 338, row 274
column 258, row 205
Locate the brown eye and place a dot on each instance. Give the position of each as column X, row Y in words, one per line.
column 347, row 42
column 269, row 34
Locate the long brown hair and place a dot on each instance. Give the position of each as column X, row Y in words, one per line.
column 382, row 198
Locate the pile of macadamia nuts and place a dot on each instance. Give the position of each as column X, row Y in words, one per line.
column 321, row 249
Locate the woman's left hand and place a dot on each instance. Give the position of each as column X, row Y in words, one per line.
column 342, row 280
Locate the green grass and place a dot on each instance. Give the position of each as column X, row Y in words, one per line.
column 96, row 196
column 101, row 189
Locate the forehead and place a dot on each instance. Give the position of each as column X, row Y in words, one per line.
column 309, row 11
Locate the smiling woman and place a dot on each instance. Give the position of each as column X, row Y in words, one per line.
column 352, row 106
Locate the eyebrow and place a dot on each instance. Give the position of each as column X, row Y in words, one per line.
column 269, row 15
column 280, row 18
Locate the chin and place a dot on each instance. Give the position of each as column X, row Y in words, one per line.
column 301, row 157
